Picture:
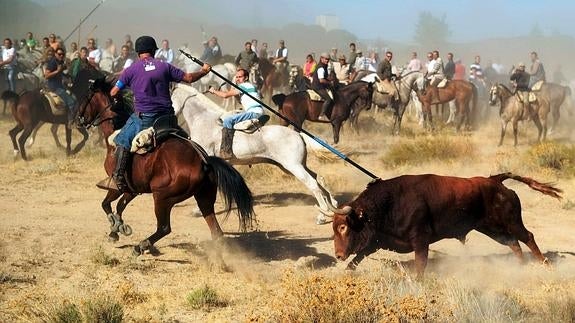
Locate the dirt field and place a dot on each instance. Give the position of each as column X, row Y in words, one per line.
column 54, row 248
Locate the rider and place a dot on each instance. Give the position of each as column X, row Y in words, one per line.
column 9, row 62
column 521, row 79
column 320, row 83
column 536, row 71
column 435, row 73
column 385, row 74
column 53, row 74
column 149, row 79
column 252, row 110
column 246, row 58
column 280, row 59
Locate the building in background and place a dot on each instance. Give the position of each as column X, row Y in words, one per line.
column 328, row 22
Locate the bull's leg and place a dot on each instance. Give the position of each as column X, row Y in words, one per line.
column 421, row 256
column 527, row 238
column 371, row 248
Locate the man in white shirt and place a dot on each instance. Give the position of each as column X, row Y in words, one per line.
column 281, row 58
column 9, row 63
column 165, row 53
column 94, row 54
column 414, row 63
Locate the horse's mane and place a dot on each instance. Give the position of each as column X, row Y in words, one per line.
column 209, row 104
column 505, row 88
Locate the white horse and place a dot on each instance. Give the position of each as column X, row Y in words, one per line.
column 277, row 145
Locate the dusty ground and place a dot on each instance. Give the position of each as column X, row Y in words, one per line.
column 52, row 228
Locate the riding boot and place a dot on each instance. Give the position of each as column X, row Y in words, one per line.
column 227, row 143
column 323, row 114
column 118, row 180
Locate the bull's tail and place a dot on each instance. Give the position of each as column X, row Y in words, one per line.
column 544, row 188
column 279, row 99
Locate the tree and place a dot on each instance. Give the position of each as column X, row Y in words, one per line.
column 431, row 31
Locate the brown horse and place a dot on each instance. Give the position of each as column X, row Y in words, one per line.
column 512, row 110
column 31, row 107
column 174, row 171
column 298, row 107
column 464, row 93
column 273, row 79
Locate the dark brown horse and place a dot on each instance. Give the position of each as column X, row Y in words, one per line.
column 174, row 171
column 273, row 79
column 31, row 107
column 465, row 95
column 298, row 107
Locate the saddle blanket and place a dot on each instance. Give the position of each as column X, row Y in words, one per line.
column 57, row 105
column 315, row 97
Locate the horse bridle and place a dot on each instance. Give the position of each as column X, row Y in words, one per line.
column 98, row 119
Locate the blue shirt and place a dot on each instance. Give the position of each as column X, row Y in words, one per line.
column 55, row 82
column 150, row 79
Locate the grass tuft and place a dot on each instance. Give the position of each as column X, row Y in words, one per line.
column 205, row 298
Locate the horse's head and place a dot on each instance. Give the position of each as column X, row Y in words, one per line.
column 494, row 94
column 98, row 106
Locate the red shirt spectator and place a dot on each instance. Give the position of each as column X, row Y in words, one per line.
column 459, row 71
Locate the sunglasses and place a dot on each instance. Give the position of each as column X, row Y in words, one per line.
column 60, row 54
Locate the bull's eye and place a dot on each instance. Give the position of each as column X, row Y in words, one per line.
column 342, row 229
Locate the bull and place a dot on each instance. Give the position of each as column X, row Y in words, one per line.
column 410, row 212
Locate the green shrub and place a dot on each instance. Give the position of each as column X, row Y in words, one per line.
column 426, row 149
column 205, row 298
column 103, row 309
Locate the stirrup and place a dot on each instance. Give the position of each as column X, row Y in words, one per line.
column 108, row 184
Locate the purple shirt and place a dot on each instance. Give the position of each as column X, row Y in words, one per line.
column 150, row 80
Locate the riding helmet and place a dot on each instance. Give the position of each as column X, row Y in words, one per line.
column 146, row 44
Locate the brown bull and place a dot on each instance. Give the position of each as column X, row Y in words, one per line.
column 408, row 213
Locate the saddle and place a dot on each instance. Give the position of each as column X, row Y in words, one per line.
column 57, row 105
column 164, row 128
column 315, row 97
column 537, row 86
column 248, row 126
column 442, row 83
column 531, row 98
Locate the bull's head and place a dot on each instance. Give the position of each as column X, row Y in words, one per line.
column 348, row 227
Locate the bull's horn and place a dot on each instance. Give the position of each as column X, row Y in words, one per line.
column 325, row 212
column 344, row 210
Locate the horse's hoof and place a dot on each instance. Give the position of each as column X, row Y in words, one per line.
column 137, row 251
column 113, row 237
column 125, row 229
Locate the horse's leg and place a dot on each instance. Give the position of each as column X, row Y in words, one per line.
column 68, row 141
column 54, row 131
column 22, row 140
column 537, row 122
column 82, row 143
column 13, row 133
column 503, row 129
column 32, row 137
column 111, row 196
column 336, row 126
column 515, row 130
column 163, row 208
column 206, row 198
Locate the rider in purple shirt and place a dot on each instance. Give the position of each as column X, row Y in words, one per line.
column 149, row 79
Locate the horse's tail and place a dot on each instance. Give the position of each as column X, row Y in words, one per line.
column 233, row 188
column 279, row 99
column 544, row 188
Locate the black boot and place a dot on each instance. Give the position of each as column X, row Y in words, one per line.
column 323, row 114
column 119, row 174
column 227, row 143
column 118, row 180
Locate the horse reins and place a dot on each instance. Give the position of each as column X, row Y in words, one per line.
column 98, row 119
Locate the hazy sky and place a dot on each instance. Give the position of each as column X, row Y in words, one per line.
column 468, row 20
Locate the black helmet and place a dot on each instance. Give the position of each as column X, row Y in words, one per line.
column 146, row 44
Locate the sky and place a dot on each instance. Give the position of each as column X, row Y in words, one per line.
column 370, row 19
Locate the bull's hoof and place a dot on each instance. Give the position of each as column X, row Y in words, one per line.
column 113, row 237
column 125, row 229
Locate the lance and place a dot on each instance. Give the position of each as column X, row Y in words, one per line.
column 318, row 140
